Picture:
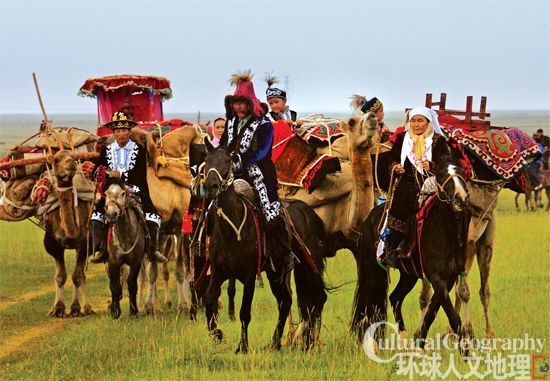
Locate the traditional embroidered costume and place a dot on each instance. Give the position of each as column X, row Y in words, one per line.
column 131, row 162
column 296, row 161
column 410, row 150
column 249, row 142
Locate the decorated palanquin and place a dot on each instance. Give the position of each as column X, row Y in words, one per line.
column 136, row 95
column 488, row 152
column 141, row 97
column 296, row 159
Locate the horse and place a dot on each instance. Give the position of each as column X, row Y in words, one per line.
column 128, row 240
column 438, row 256
column 533, row 197
column 197, row 155
column 234, row 251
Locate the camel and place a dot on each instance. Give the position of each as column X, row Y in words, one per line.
column 344, row 215
column 171, row 199
column 67, row 228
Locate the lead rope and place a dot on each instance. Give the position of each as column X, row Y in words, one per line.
column 226, row 218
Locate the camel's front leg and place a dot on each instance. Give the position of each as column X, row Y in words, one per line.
column 56, row 250
column 182, row 280
column 484, row 257
column 152, row 274
column 79, row 283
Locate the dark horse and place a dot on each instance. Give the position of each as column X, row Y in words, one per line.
column 233, row 253
column 442, row 247
column 127, row 242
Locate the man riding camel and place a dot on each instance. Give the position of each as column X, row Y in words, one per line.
column 127, row 159
column 248, row 137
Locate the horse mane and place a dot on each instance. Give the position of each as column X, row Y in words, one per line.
column 114, row 180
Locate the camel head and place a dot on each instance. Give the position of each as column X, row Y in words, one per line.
column 64, row 166
column 363, row 131
column 115, row 199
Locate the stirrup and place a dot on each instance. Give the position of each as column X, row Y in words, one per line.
column 102, row 257
column 158, row 257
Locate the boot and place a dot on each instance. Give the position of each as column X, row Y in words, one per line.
column 154, row 254
column 392, row 246
column 281, row 244
column 99, row 242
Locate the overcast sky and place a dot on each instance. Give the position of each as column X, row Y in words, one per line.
column 396, row 50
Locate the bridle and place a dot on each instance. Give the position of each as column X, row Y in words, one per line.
column 225, row 184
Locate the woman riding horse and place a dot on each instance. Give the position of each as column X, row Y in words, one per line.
column 415, row 152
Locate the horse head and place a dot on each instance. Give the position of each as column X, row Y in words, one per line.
column 451, row 184
column 218, row 171
column 363, row 131
column 115, row 199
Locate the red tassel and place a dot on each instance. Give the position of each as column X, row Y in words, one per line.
column 187, row 224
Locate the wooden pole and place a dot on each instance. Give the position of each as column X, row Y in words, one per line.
column 40, row 99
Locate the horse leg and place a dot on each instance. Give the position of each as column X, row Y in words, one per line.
column 56, row 250
column 462, row 287
column 231, row 290
column 244, row 315
column 404, row 286
column 311, row 297
column 79, row 282
column 484, row 257
column 211, row 305
column 281, row 290
column 454, row 318
column 132, row 287
column 182, row 282
column 116, row 288
column 422, row 332
column 516, row 199
column 152, row 274
column 142, row 278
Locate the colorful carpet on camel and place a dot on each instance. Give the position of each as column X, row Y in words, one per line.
column 493, row 147
column 320, row 131
column 526, row 145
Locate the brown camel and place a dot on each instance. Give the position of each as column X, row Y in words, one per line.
column 67, row 228
column 344, row 215
column 169, row 182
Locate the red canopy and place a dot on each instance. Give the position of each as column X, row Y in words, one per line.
column 158, row 85
column 137, row 95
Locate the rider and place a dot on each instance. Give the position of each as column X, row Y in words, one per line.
column 296, row 161
column 127, row 159
column 248, row 136
column 413, row 158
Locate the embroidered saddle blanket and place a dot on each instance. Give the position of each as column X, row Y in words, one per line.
column 493, row 148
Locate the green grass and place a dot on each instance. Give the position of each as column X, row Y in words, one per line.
column 171, row 347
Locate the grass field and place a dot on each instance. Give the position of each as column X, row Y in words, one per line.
column 34, row 346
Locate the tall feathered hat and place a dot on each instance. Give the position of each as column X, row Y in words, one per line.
column 273, row 92
column 244, row 92
column 119, row 121
column 360, row 103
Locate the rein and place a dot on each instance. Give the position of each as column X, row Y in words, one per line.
column 112, row 231
column 238, row 231
column 225, row 184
